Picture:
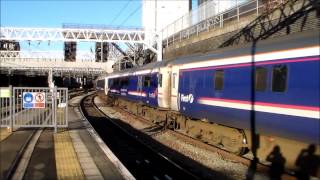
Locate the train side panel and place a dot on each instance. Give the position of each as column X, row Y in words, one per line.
column 286, row 105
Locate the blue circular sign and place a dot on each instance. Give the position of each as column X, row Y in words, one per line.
column 28, row 97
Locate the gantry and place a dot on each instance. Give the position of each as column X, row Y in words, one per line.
column 148, row 39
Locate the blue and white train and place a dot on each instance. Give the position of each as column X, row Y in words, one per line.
column 210, row 96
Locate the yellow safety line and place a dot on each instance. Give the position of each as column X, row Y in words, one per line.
column 67, row 163
column 4, row 133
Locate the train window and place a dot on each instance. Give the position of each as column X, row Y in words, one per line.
column 117, row 82
column 160, row 80
column 261, row 79
column 147, row 81
column 121, row 82
column 124, row 82
column 218, row 79
column 127, row 81
column 279, row 78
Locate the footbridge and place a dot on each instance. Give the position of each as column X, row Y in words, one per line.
column 45, row 61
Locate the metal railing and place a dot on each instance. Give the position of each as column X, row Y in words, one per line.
column 98, row 26
column 81, row 55
column 208, row 16
column 46, row 60
column 53, row 112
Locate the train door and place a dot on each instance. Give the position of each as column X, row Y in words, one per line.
column 174, row 88
column 146, row 88
column 106, row 86
column 153, row 90
column 164, row 85
column 139, row 87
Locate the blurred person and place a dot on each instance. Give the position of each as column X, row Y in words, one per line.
column 277, row 163
column 308, row 163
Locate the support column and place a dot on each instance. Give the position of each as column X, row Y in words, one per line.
column 11, row 109
column 101, row 51
column 54, row 108
column 159, row 47
column 50, row 79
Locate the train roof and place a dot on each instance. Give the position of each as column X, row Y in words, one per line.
column 293, row 41
column 151, row 67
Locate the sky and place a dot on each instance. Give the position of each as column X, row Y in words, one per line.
column 53, row 13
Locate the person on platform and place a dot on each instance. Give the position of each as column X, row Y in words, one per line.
column 277, row 163
column 308, row 163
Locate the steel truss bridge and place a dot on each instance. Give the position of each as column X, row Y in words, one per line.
column 19, row 61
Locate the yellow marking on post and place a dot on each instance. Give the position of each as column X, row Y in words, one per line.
column 67, row 163
column 4, row 133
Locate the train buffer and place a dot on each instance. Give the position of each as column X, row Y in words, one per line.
column 43, row 136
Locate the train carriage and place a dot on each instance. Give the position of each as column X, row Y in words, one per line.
column 140, row 85
column 286, row 93
column 210, row 97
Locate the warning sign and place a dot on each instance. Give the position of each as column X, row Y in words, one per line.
column 34, row 99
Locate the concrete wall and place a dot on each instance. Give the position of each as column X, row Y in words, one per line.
column 268, row 25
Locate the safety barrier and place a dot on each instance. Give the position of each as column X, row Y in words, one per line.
column 34, row 107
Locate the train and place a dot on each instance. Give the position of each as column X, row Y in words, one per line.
column 214, row 97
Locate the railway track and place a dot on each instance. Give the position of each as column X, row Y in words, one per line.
column 73, row 94
column 161, row 130
column 155, row 130
column 141, row 160
column 29, row 137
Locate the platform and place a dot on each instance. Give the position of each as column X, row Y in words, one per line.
column 72, row 153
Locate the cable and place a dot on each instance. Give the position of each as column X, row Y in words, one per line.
column 130, row 15
column 120, row 12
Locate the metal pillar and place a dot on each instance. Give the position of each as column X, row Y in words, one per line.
column 257, row 7
column 50, row 79
column 54, row 108
column 10, row 77
column 238, row 17
column 159, row 47
column 11, row 109
column 101, row 51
